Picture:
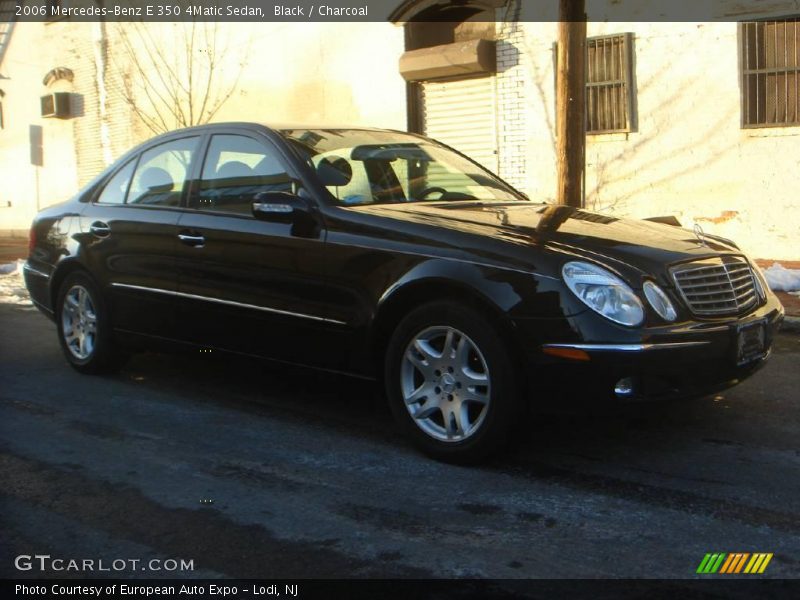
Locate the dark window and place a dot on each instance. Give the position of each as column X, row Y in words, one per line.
column 162, row 172
column 770, row 59
column 117, row 187
column 235, row 170
column 609, row 83
column 609, row 93
column 363, row 167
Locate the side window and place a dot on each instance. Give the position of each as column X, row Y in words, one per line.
column 770, row 65
column 162, row 173
column 235, row 170
column 609, row 93
column 116, row 188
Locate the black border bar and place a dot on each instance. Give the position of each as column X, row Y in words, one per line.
column 391, row 10
column 384, row 589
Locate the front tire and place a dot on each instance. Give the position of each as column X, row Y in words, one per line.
column 451, row 383
column 84, row 327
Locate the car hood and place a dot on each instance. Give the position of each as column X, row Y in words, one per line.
column 644, row 245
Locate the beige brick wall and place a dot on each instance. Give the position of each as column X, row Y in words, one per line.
column 512, row 105
column 688, row 157
column 345, row 74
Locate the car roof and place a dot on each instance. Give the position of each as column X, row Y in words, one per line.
column 278, row 127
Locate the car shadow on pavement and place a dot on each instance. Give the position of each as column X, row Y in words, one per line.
column 359, row 408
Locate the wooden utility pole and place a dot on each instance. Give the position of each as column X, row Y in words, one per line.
column 571, row 100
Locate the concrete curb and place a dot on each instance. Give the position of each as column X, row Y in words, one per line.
column 790, row 325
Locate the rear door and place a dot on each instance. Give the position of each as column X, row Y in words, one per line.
column 246, row 284
column 131, row 236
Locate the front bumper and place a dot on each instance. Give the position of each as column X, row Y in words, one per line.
column 587, row 358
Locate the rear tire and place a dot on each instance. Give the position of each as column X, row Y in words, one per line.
column 451, row 383
column 84, row 327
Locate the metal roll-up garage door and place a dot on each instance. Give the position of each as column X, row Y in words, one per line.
column 462, row 114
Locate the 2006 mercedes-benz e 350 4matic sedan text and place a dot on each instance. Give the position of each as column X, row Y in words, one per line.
column 387, row 255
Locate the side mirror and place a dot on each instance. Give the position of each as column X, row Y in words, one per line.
column 278, row 207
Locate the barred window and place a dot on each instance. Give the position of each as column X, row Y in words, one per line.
column 609, row 93
column 770, row 59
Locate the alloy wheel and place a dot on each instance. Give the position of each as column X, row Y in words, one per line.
column 79, row 322
column 445, row 383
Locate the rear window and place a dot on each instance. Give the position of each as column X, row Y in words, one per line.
column 162, row 172
column 116, row 189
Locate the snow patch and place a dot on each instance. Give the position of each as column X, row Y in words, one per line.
column 10, row 268
column 782, row 279
column 12, row 286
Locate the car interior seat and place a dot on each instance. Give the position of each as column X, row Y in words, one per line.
column 157, row 188
column 232, row 187
column 334, row 171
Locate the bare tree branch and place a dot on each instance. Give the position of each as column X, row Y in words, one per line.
column 176, row 80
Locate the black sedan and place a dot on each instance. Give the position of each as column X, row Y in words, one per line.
column 387, row 255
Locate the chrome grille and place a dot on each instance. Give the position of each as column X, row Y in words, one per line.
column 716, row 286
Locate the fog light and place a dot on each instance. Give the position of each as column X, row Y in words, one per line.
column 624, row 387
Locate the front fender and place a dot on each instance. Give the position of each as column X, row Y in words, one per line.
column 504, row 295
column 461, row 277
column 513, row 293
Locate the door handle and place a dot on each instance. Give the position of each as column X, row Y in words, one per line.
column 100, row 229
column 196, row 240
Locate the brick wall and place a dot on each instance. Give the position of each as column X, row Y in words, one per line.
column 512, row 117
column 688, row 155
column 106, row 129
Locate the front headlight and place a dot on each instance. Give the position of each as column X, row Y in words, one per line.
column 603, row 292
column 659, row 301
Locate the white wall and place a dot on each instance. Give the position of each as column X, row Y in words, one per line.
column 25, row 186
column 689, row 156
column 306, row 73
column 320, row 73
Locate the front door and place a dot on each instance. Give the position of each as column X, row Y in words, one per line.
column 246, row 284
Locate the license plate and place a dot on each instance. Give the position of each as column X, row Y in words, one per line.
column 751, row 342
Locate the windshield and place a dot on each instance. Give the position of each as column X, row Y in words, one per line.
column 378, row 167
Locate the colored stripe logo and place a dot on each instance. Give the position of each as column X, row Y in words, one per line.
column 734, row 563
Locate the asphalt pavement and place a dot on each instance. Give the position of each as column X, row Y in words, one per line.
column 252, row 470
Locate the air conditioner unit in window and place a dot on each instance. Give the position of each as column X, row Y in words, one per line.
column 56, row 105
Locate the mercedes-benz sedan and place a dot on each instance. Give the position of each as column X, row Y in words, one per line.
column 388, row 255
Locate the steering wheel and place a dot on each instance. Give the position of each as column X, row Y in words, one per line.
column 431, row 190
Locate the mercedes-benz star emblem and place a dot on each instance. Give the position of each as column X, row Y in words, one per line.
column 698, row 232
